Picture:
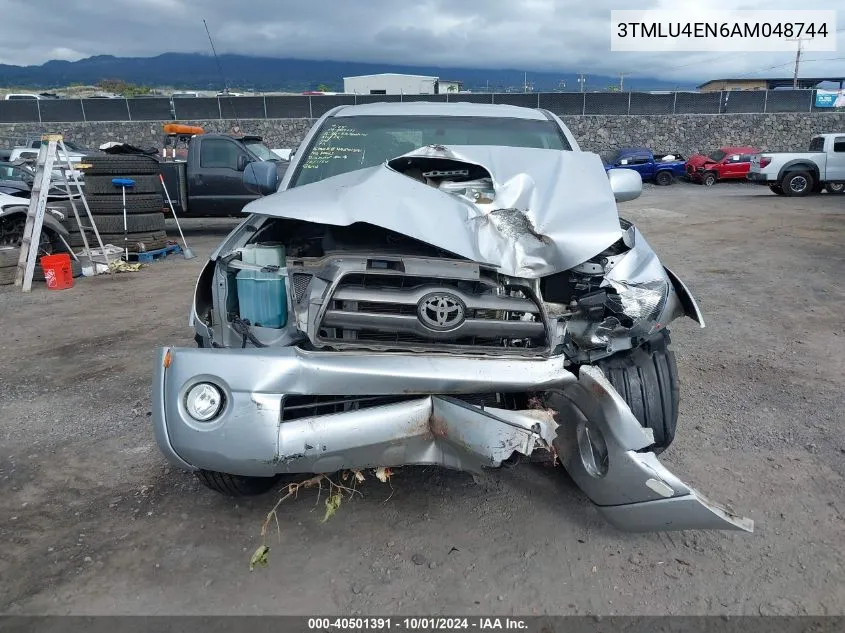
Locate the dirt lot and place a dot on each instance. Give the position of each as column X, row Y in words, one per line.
column 92, row 520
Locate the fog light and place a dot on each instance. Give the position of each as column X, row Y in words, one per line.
column 203, row 402
column 593, row 450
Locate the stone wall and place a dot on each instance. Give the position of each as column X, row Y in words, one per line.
column 684, row 133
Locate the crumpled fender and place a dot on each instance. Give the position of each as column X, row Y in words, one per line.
column 604, row 449
column 688, row 302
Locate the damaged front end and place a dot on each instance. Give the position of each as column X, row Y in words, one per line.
column 451, row 307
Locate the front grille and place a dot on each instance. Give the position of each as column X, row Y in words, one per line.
column 396, row 312
column 297, row 407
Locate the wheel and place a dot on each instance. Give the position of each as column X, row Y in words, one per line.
column 135, row 223
column 113, row 205
column 797, row 183
column 118, row 165
column 137, row 242
column 236, row 485
column 11, row 234
column 709, row 179
column 647, row 379
column 103, row 186
column 777, row 190
column 663, row 178
column 835, row 187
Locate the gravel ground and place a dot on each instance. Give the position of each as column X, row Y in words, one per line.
column 93, row 521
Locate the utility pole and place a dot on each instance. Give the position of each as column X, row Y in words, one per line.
column 797, row 61
column 582, row 80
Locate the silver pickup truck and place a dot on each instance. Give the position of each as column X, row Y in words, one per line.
column 436, row 284
column 802, row 173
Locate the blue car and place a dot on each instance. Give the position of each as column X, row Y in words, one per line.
column 662, row 169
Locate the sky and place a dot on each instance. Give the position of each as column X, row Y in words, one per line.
column 529, row 35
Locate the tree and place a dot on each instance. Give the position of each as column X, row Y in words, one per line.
column 324, row 88
column 120, row 87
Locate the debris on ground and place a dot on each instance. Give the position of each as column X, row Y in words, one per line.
column 332, row 503
column 121, row 266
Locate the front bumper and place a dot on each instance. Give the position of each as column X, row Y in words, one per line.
column 632, row 488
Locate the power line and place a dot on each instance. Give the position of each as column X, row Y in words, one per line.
column 806, row 61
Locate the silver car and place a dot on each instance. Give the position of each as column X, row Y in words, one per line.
column 440, row 284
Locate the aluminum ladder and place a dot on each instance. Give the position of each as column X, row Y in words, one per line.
column 48, row 161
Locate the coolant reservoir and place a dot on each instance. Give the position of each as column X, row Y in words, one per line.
column 262, row 294
column 262, row 298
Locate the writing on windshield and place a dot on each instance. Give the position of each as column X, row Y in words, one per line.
column 334, row 145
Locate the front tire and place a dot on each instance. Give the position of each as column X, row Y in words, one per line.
column 709, row 179
column 647, row 379
column 835, row 187
column 776, row 189
column 236, row 485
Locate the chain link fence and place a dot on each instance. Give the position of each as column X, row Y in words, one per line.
column 312, row 107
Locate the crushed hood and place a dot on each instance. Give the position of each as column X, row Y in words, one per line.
column 551, row 210
column 697, row 160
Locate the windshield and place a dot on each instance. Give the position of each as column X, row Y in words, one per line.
column 611, row 158
column 349, row 143
column 717, row 156
column 261, row 150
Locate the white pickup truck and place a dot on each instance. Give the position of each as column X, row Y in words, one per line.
column 799, row 174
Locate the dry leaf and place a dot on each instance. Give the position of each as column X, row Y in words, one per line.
column 359, row 475
column 384, row 474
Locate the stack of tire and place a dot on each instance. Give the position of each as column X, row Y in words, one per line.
column 144, row 230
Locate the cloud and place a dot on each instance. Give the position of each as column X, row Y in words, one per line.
column 540, row 35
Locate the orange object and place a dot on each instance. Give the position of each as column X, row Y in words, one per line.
column 57, row 271
column 178, row 128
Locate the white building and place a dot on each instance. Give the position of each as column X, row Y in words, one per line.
column 396, row 84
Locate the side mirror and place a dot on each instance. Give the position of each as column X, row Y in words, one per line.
column 243, row 161
column 261, row 177
column 626, row 184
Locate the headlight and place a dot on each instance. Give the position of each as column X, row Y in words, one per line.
column 203, row 402
column 642, row 301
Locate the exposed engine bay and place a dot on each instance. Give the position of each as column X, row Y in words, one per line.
column 364, row 286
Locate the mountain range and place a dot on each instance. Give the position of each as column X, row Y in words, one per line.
column 200, row 72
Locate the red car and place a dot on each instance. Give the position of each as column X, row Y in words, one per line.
column 726, row 163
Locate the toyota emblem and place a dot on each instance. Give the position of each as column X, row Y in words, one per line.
column 441, row 311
